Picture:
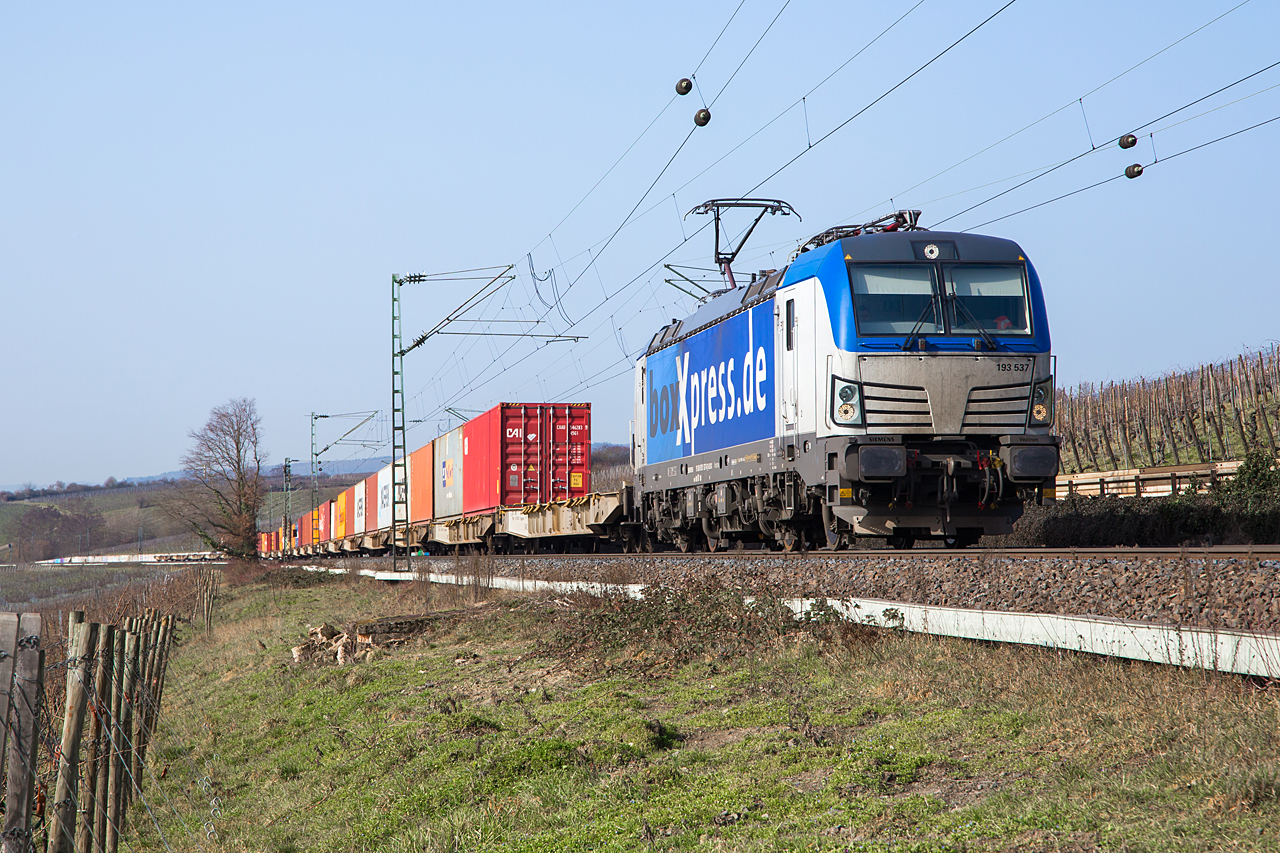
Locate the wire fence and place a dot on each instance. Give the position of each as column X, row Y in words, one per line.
column 80, row 703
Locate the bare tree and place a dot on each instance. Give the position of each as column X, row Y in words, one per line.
column 223, row 489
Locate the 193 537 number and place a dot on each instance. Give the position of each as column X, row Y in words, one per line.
column 1013, row 366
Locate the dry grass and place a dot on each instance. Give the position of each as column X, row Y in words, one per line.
column 772, row 737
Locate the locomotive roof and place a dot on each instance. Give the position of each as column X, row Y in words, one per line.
column 880, row 247
column 905, row 246
column 721, row 305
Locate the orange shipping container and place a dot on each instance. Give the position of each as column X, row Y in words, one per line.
column 370, row 487
column 421, row 490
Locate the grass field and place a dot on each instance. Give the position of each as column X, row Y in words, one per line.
column 556, row 725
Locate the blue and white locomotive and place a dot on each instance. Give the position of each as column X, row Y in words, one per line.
column 889, row 382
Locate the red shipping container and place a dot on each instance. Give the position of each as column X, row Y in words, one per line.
column 370, row 487
column 421, row 491
column 326, row 517
column 526, row 453
column 350, row 529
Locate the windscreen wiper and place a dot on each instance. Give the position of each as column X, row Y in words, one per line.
column 986, row 336
column 915, row 330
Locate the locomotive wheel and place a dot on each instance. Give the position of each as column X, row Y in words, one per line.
column 902, row 543
column 962, row 539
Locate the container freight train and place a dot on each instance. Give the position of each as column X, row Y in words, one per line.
column 502, row 481
column 890, row 382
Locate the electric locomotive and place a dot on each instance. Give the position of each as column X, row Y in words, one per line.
column 889, row 382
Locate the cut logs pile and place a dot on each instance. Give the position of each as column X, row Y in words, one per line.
column 326, row 644
column 329, row 644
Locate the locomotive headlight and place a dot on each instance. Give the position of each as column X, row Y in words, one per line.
column 1042, row 403
column 846, row 402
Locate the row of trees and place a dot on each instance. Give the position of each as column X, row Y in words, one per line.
column 1214, row 412
column 60, row 488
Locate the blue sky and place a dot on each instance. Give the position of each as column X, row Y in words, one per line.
column 199, row 203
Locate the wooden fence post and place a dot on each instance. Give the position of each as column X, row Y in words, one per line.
column 146, row 652
column 148, row 693
column 8, row 649
column 92, row 815
column 112, row 776
column 62, row 826
column 28, row 673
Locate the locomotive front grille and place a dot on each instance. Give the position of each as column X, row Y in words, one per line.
column 897, row 406
column 997, row 407
column 946, row 394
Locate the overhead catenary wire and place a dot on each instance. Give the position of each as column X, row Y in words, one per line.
column 471, row 384
column 596, row 255
column 881, row 97
column 1065, row 106
column 583, row 385
column 631, row 215
column 1117, row 177
column 749, row 52
column 723, row 30
column 1091, row 150
column 632, row 212
column 801, row 100
column 594, row 379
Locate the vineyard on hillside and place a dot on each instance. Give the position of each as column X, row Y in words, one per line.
column 1211, row 413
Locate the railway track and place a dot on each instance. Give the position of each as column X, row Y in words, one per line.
column 1261, row 552
column 1214, row 642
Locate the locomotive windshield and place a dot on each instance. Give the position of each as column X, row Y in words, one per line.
column 906, row 299
column 987, row 297
column 894, row 299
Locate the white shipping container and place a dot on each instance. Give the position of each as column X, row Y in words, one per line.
column 355, row 516
column 384, row 498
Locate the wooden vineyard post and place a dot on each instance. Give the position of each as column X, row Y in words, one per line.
column 63, row 817
column 92, row 815
column 22, row 707
column 1260, row 398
